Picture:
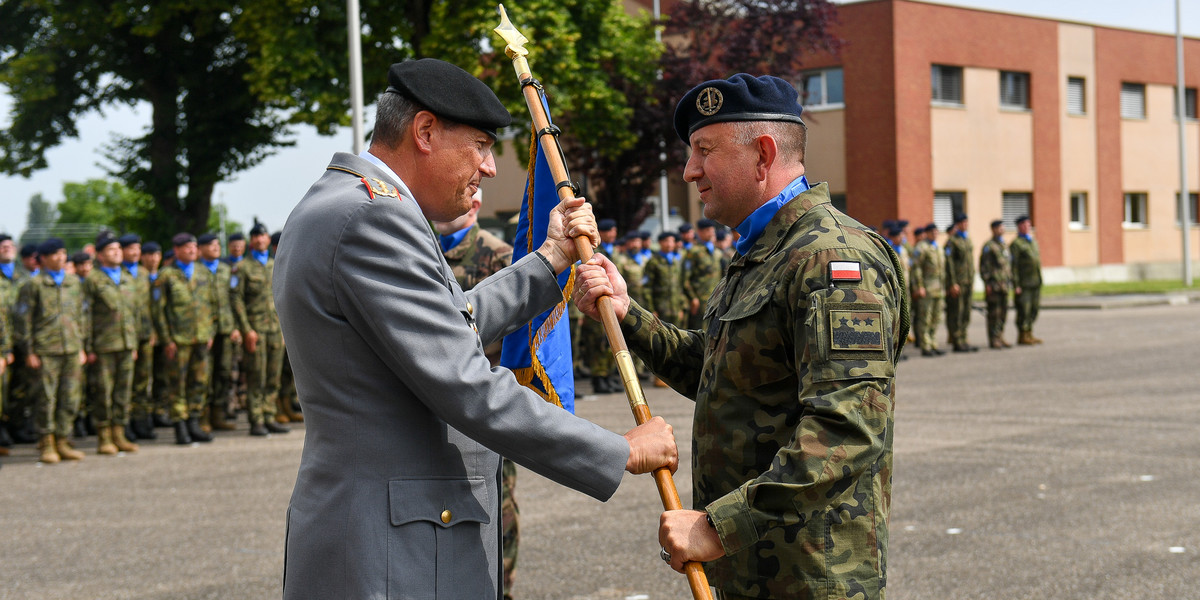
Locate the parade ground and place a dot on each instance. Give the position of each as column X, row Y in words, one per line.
column 1067, row 470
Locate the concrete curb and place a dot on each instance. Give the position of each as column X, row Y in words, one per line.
column 1104, row 302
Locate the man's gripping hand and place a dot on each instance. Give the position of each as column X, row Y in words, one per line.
column 599, row 277
column 570, row 219
column 652, row 445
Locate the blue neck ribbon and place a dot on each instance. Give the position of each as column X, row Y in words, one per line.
column 753, row 226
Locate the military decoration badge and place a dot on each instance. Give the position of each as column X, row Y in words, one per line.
column 709, row 101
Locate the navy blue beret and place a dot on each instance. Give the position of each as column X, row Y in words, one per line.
column 106, row 239
column 606, row 224
column 168, row 255
column 894, row 231
column 1022, row 219
column 645, row 235
column 4, row 237
column 740, row 98
column 259, row 229
column 449, row 92
column 151, row 248
column 902, row 223
column 236, row 236
column 685, row 227
column 705, row 223
column 997, row 223
column 930, row 227
column 50, row 246
column 182, row 238
column 275, row 237
column 722, row 234
column 81, row 257
column 667, row 234
column 206, row 238
column 28, row 250
column 959, row 218
column 129, row 239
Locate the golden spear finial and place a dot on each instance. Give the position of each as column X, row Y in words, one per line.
column 516, row 44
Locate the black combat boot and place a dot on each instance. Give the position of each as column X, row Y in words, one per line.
column 80, row 430
column 600, row 385
column 277, row 428
column 143, row 428
column 257, row 429
column 5, row 440
column 181, row 433
column 194, row 430
column 25, row 434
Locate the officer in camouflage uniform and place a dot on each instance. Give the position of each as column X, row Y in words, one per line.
column 929, row 285
column 184, row 321
column 664, row 281
column 227, row 334
column 996, row 273
column 895, row 236
column 141, row 425
column 11, row 277
column 20, row 390
column 111, row 295
column 254, row 309
column 960, row 279
column 1027, row 277
column 701, row 271
column 593, row 341
column 794, row 373
column 50, row 318
column 160, row 380
column 474, row 254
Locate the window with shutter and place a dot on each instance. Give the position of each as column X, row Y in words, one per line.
column 947, row 85
column 1013, row 205
column 945, row 205
column 1075, row 96
column 1014, row 90
column 1133, row 101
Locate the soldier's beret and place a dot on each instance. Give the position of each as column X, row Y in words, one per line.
column 237, row 236
column 206, row 238
column 705, row 223
column 997, row 223
column 645, row 235
column 151, row 248
column 894, row 230
column 902, row 224
column 168, row 255
column 449, row 92
column 129, row 239
column 606, row 224
column 1022, row 219
column 722, row 234
column 28, row 250
column 950, row 228
column 4, row 237
column 930, row 227
column 666, row 234
column 685, row 227
column 888, row 223
column 81, row 257
column 740, row 98
column 182, row 238
column 50, row 246
column 259, row 229
column 275, row 237
column 959, row 218
column 104, row 240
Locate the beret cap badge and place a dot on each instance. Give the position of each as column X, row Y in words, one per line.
column 709, row 101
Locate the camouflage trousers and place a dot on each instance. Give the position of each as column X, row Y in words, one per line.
column 140, row 402
column 914, row 309
column 23, row 390
column 1027, row 308
column 61, row 378
column 997, row 314
column 264, row 367
column 696, row 321
column 958, row 316
column 161, row 387
column 509, row 522
column 189, row 381
column 220, row 382
column 594, row 346
column 931, row 317
column 110, row 380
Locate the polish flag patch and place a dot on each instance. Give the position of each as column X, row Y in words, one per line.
column 845, row 270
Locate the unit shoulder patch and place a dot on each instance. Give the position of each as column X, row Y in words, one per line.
column 845, row 271
column 379, row 187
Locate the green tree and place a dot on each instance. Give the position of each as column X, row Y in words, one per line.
column 226, row 80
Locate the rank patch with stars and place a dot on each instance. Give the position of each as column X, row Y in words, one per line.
column 856, row 330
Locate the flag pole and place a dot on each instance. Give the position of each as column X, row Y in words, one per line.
column 548, row 138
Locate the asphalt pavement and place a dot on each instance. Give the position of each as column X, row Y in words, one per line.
column 1064, row 470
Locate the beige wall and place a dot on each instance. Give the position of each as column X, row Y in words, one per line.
column 982, row 150
column 1076, row 51
column 825, row 156
column 1150, row 164
column 503, row 192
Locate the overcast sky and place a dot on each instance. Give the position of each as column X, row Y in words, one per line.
column 270, row 190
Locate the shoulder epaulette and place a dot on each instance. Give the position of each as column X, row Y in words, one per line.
column 375, row 186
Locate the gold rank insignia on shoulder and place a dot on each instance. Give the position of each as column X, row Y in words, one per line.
column 379, row 187
column 709, row 101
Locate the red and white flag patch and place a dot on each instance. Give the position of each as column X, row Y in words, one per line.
column 845, row 271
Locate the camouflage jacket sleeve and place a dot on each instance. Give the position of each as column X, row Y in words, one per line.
column 237, row 297
column 22, row 316
column 89, row 296
column 5, row 335
column 675, row 355
column 916, row 273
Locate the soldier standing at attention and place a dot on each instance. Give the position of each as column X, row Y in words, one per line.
column 960, row 280
column 185, row 323
column 895, row 233
column 111, row 295
column 254, row 308
column 686, row 238
column 996, row 272
column 474, row 254
column 929, row 285
column 11, row 277
column 156, row 401
column 794, row 373
column 227, row 333
column 664, row 281
column 50, row 319
column 592, row 340
column 141, row 424
column 702, row 271
column 1027, row 277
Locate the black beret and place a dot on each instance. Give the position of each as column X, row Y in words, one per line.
column 606, row 224
column 449, row 92
column 206, row 238
column 667, row 234
column 997, row 223
column 151, row 248
column 722, row 234
column 894, row 230
column 705, row 223
column 930, row 227
column 740, row 98
column 888, row 223
column 645, row 235
column 4, row 237
column 81, row 257
column 275, row 237
column 50, row 246
column 685, row 227
column 1022, row 219
column 129, row 239
column 237, row 236
column 28, row 250
column 902, row 223
column 259, row 229
column 168, row 255
column 182, row 238
column 959, row 218
column 106, row 239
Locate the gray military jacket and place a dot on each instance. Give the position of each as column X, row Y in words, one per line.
column 398, row 490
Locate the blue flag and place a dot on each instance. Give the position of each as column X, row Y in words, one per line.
column 539, row 353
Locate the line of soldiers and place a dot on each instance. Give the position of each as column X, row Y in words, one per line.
column 942, row 279
column 675, row 281
column 147, row 339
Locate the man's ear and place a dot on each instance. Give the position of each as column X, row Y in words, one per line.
column 422, row 131
column 767, row 152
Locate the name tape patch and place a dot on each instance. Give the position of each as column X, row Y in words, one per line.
column 856, row 330
column 845, row 270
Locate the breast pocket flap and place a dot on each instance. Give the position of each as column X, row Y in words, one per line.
column 444, row 502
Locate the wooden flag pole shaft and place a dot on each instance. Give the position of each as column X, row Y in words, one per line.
column 608, row 316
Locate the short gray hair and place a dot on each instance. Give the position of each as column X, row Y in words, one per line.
column 791, row 138
column 393, row 115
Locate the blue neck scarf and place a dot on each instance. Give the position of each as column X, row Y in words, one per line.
column 962, row 234
column 57, row 276
column 114, row 273
column 153, row 277
column 233, row 260
column 607, row 247
column 1026, row 236
column 132, row 267
column 260, row 256
column 710, row 246
column 187, row 268
column 454, row 239
column 212, row 265
column 757, row 222
column 7, row 269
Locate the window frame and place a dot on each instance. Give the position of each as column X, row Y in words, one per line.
column 1144, row 199
column 937, row 78
column 1189, row 101
column 1131, row 87
column 824, row 104
column 1195, row 209
column 1077, row 200
column 1082, row 96
column 1009, row 216
column 958, row 204
column 1013, row 78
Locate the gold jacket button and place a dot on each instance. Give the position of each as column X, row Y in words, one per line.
column 446, row 516
column 470, row 309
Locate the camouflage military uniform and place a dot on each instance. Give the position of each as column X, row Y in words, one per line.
column 254, row 309
column 140, row 402
column 112, row 337
column 184, row 316
column 996, row 273
column 960, row 269
column 794, row 385
column 477, row 256
column 160, row 387
column 929, row 272
column 701, row 273
column 49, row 321
column 221, row 357
column 17, row 394
column 664, row 288
column 635, row 276
column 1027, row 277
